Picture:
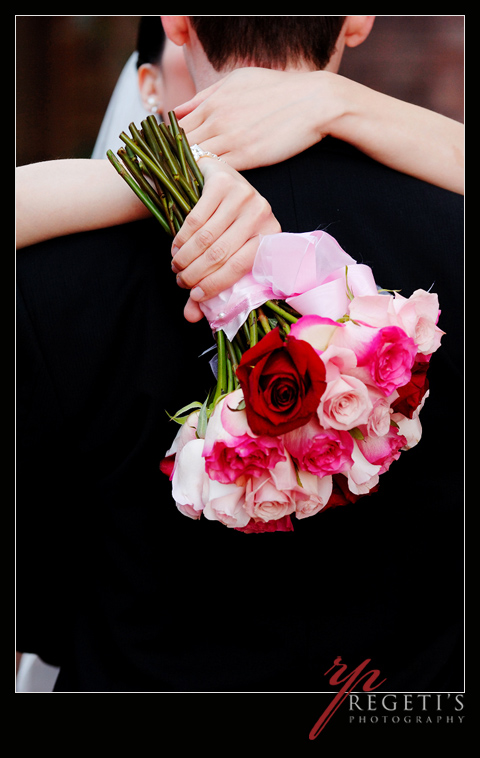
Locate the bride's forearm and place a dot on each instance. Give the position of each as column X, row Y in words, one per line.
column 60, row 197
column 403, row 136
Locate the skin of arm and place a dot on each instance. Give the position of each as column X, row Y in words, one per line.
column 66, row 196
column 236, row 120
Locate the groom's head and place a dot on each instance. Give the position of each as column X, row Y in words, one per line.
column 215, row 45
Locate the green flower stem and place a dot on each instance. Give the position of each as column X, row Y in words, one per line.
column 264, row 321
column 230, row 376
column 246, row 333
column 162, row 146
column 221, row 366
column 192, row 162
column 158, row 171
column 141, row 195
column 281, row 312
column 234, row 360
column 253, row 328
column 238, row 347
column 158, row 197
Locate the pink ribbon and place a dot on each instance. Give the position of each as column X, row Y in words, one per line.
column 309, row 270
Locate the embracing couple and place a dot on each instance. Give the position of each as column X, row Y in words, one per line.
column 114, row 586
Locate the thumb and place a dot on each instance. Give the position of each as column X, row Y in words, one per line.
column 192, row 311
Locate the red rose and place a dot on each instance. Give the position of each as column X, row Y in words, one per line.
column 411, row 394
column 341, row 494
column 282, row 384
column 283, row 524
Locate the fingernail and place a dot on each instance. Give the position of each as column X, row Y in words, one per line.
column 180, row 283
column 175, row 269
column 175, row 250
column 197, row 293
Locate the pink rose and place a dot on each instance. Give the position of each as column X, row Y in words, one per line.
column 315, row 330
column 320, row 451
column 345, row 403
column 409, row 428
column 225, row 503
column 188, row 479
column 185, row 433
column 389, row 358
column 363, row 476
column 272, row 495
column 382, row 451
column 418, row 316
column 313, row 495
column 379, row 419
column 231, row 449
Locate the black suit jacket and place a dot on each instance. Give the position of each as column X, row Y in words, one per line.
column 128, row 595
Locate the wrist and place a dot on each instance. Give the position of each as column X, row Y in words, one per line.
column 338, row 101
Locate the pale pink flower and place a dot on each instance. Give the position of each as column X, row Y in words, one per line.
column 409, row 428
column 186, row 432
column 313, row 494
column 363, row 475
column 188, row 479
column 379, row 419
column 272, row 495
column 225, row 503
column 418, row 316
column 315, row 330
column 345, row 403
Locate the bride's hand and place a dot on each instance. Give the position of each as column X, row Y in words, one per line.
column 219, row 238
column 257, row 117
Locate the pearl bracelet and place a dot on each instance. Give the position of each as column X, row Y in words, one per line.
column 199, row 152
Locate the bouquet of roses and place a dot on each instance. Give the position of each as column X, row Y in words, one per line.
column 318, row 391
column 320, row 379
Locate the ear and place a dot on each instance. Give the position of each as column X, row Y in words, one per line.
column 150, row 84
column 356, row 29
column 176, row 28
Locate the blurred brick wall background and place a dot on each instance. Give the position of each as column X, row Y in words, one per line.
column 67, row 66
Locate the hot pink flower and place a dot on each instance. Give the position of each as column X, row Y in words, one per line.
column 320, row 451
column 389, row 358
column 382, row 451
column 231, row 450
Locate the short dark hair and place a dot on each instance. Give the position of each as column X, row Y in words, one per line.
column 267, row 41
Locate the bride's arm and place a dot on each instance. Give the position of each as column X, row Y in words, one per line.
column 60, row 197
column 256, row 117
